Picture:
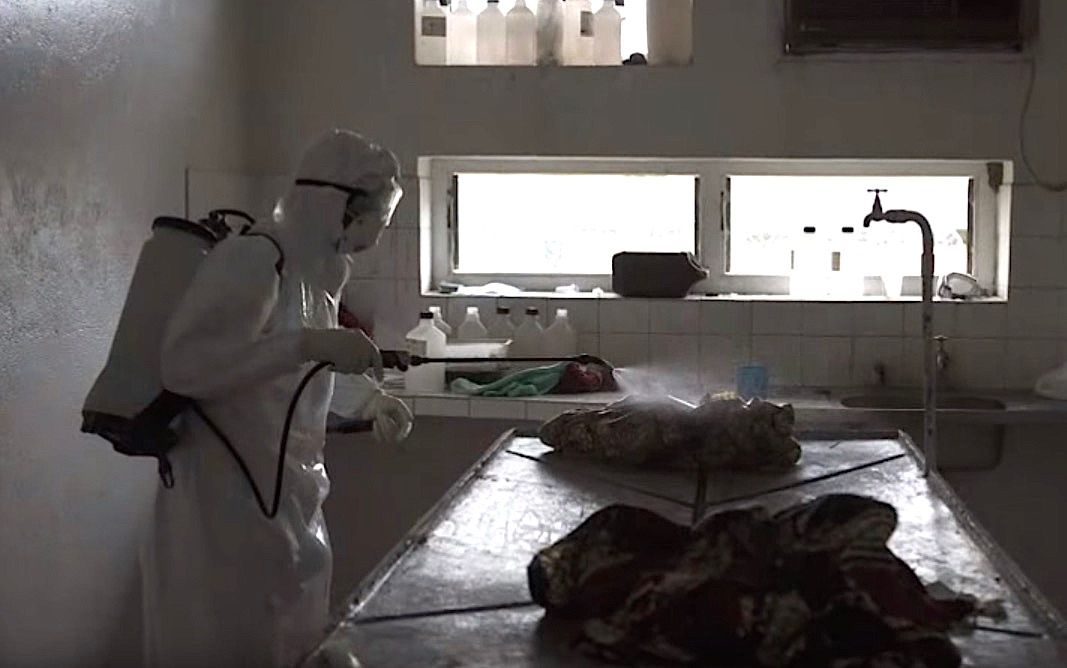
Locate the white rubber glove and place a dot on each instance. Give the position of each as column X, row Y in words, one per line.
column 392, row 418
column 349, row 351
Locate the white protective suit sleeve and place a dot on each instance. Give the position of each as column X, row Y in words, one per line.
column 214, row 344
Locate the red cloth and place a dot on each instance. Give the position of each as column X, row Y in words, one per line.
column 582, row 379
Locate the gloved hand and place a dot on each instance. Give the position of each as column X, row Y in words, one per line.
column 347, row 350
column 392, row 418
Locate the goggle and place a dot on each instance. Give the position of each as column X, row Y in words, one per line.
column 353, row 195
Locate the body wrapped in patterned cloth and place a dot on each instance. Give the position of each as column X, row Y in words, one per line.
column 718, row 434
column 813, row 585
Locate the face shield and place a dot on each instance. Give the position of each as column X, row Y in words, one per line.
column 365, row 216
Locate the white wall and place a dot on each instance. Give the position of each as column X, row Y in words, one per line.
column 103, row 104
column 337, row 62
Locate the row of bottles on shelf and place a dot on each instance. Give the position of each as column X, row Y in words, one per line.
column 528, row 339
column 562, row 32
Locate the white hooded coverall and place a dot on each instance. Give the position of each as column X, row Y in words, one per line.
column 223, row 584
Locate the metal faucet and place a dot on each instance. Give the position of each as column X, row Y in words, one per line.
column 929, row 357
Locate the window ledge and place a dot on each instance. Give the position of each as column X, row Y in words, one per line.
column 716, row 298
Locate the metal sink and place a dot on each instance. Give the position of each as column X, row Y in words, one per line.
column 910, row 402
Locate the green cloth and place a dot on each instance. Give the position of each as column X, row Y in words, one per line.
column 526, row 383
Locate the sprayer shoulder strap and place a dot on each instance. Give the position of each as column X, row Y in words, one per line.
column 280, row 264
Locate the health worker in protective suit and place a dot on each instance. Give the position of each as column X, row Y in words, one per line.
column 224, row 585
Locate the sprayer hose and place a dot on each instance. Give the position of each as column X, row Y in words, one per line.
column 283, row 446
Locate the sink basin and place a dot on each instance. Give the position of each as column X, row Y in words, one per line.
column 908, row 402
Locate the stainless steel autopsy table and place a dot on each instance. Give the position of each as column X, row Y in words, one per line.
column 454, row 592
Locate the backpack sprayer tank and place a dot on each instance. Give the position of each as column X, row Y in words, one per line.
column 127, row 404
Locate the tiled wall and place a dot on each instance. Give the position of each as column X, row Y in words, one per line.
column 992, row 346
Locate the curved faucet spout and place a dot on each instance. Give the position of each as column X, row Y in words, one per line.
column 877, row 214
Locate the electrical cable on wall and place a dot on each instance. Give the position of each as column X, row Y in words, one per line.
column 1057, row 187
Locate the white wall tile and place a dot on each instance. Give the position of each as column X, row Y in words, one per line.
column 507, row 409
column 946, row 316
column 1034, row 314
column 722, row 317
column 867, row 351
column 981, row 320
column 625, row 349
column 374, row 303
column 408, row 306
column 827, row 361
column 674, row 317
column 407, row 211
column 1035, row 212
column 827, row 319
column 584, row 314
column 977, row 364
column 1037, row 262
column 406, row 248
column 443, row 407
column 628, row 316
column 911, row 371
column 719, row 358
column 1026, row 361
column 782, row 357
column 878, row 319
column 677, row 356
column 777, row 318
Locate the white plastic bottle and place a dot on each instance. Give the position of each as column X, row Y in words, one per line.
column 560, row 339
column 440, row 322
column 584, row 47
column 607, row 35
column 550, row 32
column 492, row 35
column 431, row 46
column 529, row 336
column 502, row 329
column 578, row 42
column 472, row 328
column 426, row 341
column 462, row 35
column 670, row 32
column 522, row 35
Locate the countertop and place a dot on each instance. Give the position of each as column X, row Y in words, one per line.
column 813, row 407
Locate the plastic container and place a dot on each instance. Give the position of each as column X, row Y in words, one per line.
column 502, row 328
column 550, row 15
column 670, row 32
column 578, row 32
column 462, row 35
column 492, row 35
column 472, row 328
column 521, row 27
column 439, row 321
column 607, row 35
column 660, row 275
column 847, row 268
column 426, row 341
column 529, row 338
column 431, row 45
column 810, row 276
column 561, row 340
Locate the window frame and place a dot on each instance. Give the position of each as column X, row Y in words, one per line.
column 436, row 177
